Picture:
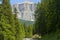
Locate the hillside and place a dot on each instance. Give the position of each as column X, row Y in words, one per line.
column 26, row 22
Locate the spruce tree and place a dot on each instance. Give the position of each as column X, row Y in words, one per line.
column 47, row 19
column 7, row 21
column 40, row 19
column 20, row 33
column 30, row 28
column 10, row 27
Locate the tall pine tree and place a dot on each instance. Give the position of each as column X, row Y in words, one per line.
column 20, row 33
column 7, row 21
column 48, row 16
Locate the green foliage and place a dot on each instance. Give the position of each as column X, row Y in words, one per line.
column 47, row 17
column 40, row 17
column 52, row 36
column 20, row 33
column 10, row 27
column 7, row 21
column 29, row 32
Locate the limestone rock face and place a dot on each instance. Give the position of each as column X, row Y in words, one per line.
column 25, row 10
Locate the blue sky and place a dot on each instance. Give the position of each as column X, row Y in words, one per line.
column 19, row 1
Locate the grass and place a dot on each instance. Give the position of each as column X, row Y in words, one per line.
column 52, row 36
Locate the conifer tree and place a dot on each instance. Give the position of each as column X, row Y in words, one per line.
column 40, row 19
column 20, row 33
column 7, row 21
column 48, row 18
column 30, row 31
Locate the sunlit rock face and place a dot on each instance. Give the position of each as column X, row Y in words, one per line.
column 25, row 10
